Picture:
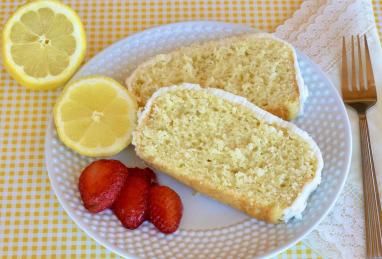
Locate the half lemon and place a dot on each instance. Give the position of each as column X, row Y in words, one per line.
column 95, row 116
column 43, row 44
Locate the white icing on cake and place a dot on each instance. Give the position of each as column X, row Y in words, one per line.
column 303, row 90
column 299, row 205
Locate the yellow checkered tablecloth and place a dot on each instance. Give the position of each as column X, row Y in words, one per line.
column 32, row 223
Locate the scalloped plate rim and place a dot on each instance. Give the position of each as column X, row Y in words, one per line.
column 124, row 253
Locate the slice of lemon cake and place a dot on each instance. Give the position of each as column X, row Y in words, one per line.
column 226, row 147
column 259, row 66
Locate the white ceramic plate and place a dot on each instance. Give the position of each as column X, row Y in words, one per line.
column 208, row 229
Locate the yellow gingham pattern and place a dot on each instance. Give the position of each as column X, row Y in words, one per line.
column 32, row 223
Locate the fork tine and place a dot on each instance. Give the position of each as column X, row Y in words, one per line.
column 360, row 67
column 344, row 74
column 369, row 70
column 353, row 73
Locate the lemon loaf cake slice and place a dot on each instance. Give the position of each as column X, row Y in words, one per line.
column 226, row 147
column 259, row 66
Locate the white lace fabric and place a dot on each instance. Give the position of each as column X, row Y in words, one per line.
column 317, row 29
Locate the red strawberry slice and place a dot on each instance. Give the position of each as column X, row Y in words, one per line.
column 165, row 209
column 147, row 173
column 100, row 183
column 132, row 202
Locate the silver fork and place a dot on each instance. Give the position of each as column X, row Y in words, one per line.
column 361, row 99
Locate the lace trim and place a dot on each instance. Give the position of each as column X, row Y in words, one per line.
column 317, row 29
column 320, row 24
column 341, row 233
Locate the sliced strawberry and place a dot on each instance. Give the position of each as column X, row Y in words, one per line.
column 145, row 172
column 132, row 202
column 100, row 183
column 165, row 209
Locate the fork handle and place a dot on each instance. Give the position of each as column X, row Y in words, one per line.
column 373, row 216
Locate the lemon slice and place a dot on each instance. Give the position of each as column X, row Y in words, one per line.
column 43, row 44
column 95, row 116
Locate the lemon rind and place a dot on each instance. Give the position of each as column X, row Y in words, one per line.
column 49, row 82
column 120, row 143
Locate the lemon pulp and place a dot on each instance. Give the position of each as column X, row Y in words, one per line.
column 95, row 116
column 43, row 44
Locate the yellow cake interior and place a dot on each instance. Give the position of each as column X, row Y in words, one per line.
column 223, row 147
column 262, row 69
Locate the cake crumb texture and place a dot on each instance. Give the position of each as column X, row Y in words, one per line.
column 225, row 150
column 256, row 66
